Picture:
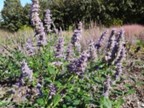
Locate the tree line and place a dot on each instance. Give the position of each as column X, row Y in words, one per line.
column 67, row 12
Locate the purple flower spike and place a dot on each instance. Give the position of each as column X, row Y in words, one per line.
column 48, row 21
column 92, row 51
column 75, row 40
column 76, row 37
column 69, row 53
column 121, row 50
column 34, row 16
column 118, row 71
column 107, row 87
column 26, row 72
column 37, row 24
column 29, row 48
column 79, row 65
column 98, row 44
column 111, row 47
column 39, row 91
column 59, row 48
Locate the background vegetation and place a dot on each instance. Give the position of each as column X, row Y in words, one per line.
column 66, row 12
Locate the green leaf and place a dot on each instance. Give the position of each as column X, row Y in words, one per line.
column 76, row 102
column 3, row 103
column 51, row 70
column 40, row 101
column 56, row 99
column 105, row 103
column 118, row 103
column 131, row 91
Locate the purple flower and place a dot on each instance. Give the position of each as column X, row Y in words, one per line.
column 107, row 87
column 48, row 21
column 39, row 91
column 112, row 38
column 34, row 16
column 98, row 44
column 111, row 47
column 57, row 63
column 30, row 49
column 26, row 72
column 115, row 55
column 59, row 49
column 76, row 37
column 52, row 91
column 121, row 50
column 92, row 51
column 37, row 24
column 118, row 71
column 41, row 40
column 79, row 65
column 75, row 40
column 69, row 53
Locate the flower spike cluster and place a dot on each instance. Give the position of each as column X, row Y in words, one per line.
column 121, row 54
column 116, row 55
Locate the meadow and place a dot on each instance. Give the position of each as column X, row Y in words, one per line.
column 46, row 67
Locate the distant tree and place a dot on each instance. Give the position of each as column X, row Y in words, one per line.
column 107, row 12
column 12, row 15
column 26, row 14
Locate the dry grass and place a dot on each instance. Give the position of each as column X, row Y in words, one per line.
column 134, row 32
column 91, row 34
column 4, row 35
column 14, row 40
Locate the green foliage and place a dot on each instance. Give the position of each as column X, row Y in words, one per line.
column 115, row 22
column 14, row 15
column 105, row 103
column 11, row 14
column 8, row 66
column 140, row 43
column 107, row 12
